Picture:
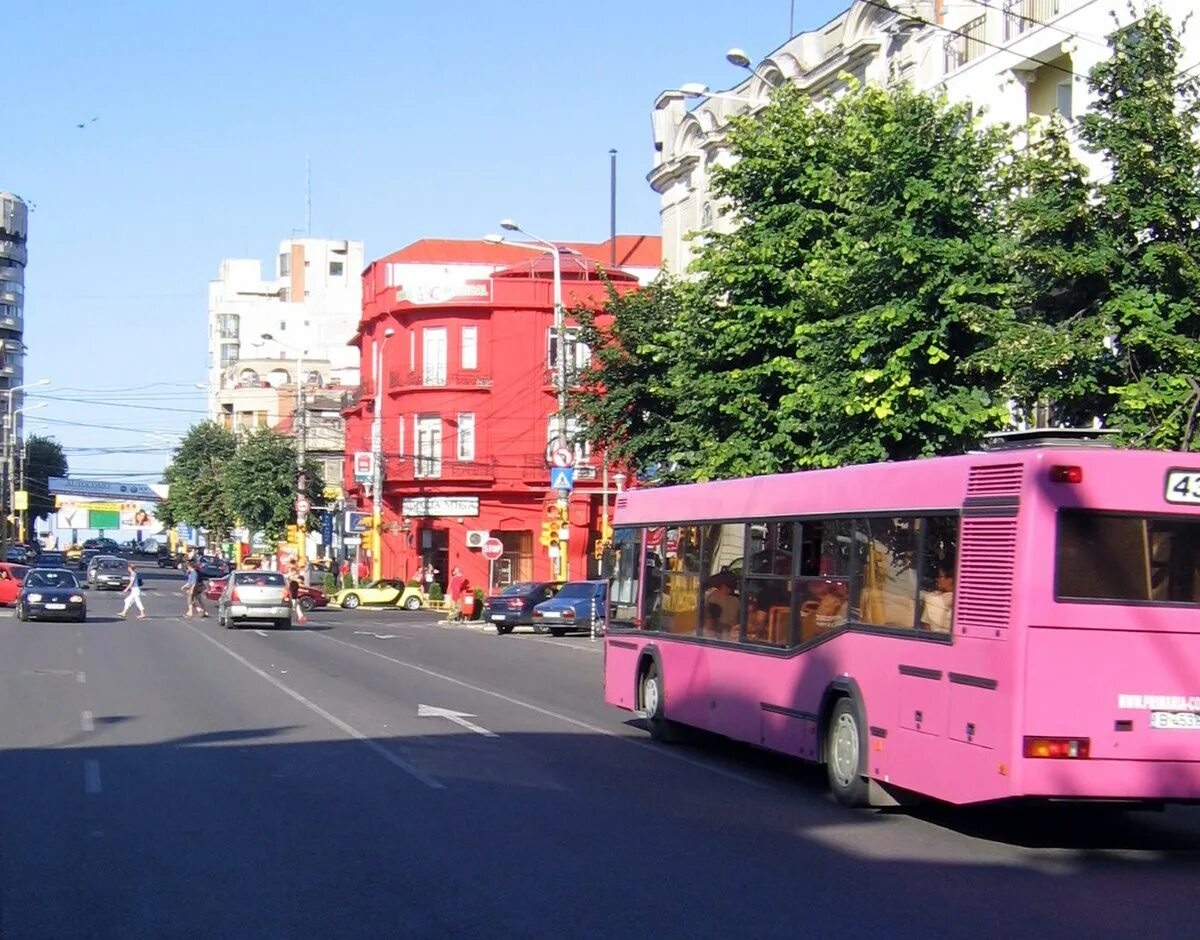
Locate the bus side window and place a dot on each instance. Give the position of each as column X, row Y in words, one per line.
column 889, row 577
column 939, row 567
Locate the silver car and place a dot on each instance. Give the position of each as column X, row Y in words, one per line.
column 96, row 562
column 255, row 595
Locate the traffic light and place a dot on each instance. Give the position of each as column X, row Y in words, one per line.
column 549, row 532
column 605, row 530
column 293, row 534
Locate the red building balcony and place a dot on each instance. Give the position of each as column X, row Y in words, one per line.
column 419, row 470
column 406, row 380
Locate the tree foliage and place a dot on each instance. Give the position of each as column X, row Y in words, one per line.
column 260, row 482
column 196, row 477
column 44, row 458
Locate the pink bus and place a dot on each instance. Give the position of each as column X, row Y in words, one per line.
column 1021, row 622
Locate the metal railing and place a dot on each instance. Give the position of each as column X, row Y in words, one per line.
column 1022, row 16
column 438, row 378
column 966, row 44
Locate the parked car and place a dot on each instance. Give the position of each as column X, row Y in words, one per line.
column 51, row 594
column 213, row 567
column 11, row 578
column 102, row 544
column 514, row 605
column 17, row 555
column 255, row 595
column 111, row 574
column 166, row 559
column 572, row 608
column 90, row 577
column 387, row 592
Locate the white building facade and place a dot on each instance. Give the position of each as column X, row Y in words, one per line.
column 309, row 308
column 1011, row 59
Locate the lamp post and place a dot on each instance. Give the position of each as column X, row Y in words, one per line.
column 377, row 463
column 17, row 476
column 9, row 448
column 301, row 426
column 560, row 334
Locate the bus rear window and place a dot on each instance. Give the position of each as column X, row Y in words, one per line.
column 1141, row 559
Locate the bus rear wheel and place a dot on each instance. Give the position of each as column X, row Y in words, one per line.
column 845, row 755
column 650, row 696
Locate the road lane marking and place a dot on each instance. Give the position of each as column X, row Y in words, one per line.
column 399, row 762
column 378, row 636
column 87, row 721
column 566, row 719
column 91, row 776
column 262, row 633
column 459, row 718
column 81, row 677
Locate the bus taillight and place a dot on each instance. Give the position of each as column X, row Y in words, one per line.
column 1058, row 748
column 1065, row 474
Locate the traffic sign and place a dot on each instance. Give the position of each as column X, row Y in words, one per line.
column 302, row 505
column 492, row 549
column 358, row 522
column 562, row 457
column 562, row 479
column 364, row 465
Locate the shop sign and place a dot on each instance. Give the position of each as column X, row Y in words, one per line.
column 441, row 506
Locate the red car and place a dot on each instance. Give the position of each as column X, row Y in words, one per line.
column 310, row 597
column 12, row 576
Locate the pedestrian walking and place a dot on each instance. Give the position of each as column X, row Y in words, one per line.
column 431, row 574
column 133, row 594
column 363, row 572
column 295, row 580
column 454, row 591
column 193, row 590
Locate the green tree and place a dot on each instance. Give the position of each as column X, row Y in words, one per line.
column 44, row 458
column 260, row 482
column 627, row 407
column 1145, row 123
column 841, row 320
column 196, row 476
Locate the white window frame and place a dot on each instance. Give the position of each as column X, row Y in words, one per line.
column 470, row 361
column 466, row 435
column 412, row 350
column 583, row 449
column 428, row 446
column 434, row 372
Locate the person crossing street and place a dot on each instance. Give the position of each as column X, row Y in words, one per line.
column 133, row 594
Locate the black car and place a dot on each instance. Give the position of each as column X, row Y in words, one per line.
column 111, row 574
column 514, row 605
column 105, row 545
column 50, row 560
column 167, row 559
column 86, row 556
column 213, row 568
column 17, row 555
column 51, row 594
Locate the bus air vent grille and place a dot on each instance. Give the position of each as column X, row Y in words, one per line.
column 986, row 567
column 1002, row 479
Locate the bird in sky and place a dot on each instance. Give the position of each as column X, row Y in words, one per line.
column 86, row 123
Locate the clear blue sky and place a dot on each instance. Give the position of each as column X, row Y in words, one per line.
column 421, row 120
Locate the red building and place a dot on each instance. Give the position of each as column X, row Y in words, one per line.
column 469, row 399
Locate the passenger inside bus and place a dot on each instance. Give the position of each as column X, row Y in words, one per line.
column 938, row 604
column 720, row 592
column 712, row 625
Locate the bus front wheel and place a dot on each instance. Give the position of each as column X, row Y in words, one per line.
column 845, row 755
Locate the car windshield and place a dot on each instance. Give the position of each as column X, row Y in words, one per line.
column 51, row 558
column 579, row 589
column 51, row 578
column 260, row 578
column 519, row 587
column 111, row 564
column 18, row 572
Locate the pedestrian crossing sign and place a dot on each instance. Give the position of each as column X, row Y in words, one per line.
column 562, row 479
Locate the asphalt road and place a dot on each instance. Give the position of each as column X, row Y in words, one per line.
column 167, row 778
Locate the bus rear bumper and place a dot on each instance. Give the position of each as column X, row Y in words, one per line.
column 1094, row 779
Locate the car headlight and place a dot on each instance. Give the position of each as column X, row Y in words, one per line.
column 76, row 598
column 35, row 597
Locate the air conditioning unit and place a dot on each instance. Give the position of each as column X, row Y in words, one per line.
column 476, row 537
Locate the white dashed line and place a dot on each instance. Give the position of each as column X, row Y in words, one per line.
column 395, row 760
column 91, row 776
column 262, row 633
column 87, row 721
column 81, row 677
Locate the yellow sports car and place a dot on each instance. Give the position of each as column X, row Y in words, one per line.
column 385, row 593
column 74, row 553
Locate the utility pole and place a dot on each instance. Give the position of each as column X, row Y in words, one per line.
column 377, row 464
column 301, row 455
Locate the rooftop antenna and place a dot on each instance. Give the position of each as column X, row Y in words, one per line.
column 308, row 197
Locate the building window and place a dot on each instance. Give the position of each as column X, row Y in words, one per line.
column 466, row 435
column 470, row 350
column 400, row 439
column 706, row 216
column 428, row 460
column 1063, row 100
column 578, row 355
column 412, row 350
column 336, row 268
column 285, row 264
column 434, row 356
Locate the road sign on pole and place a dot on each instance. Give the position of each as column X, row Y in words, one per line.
column 492, row 549
column 302, row 505
column 562, row 479
column 562, row 457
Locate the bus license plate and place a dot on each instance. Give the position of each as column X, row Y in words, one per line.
column 1183, row 486
column 1186, row 721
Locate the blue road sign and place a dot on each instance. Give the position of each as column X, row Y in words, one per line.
column 358, row 522
column 327, row 529
column 562, row 478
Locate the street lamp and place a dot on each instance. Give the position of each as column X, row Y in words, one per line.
column 17, row 477
column 739, row 58
column 9, row 448
column 700, row 90
column 377, row 462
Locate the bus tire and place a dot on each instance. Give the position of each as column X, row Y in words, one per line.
column 845, row 755
column 650, row 701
